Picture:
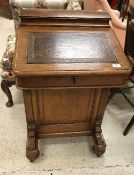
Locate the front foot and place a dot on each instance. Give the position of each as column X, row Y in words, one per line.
column 32, row 151
column 99, row 149
column 32, row 154
column 9, row 103
column 98, row 140
column 5, row 84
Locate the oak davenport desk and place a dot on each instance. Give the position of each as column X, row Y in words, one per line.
column 65, row 63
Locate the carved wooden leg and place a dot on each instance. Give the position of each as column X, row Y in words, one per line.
column 32, row 151
column 5, row 84
column 98, row 139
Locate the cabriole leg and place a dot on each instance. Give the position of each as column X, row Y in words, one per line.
column 5, row 84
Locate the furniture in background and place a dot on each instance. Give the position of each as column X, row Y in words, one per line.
column 5, row 10
column 129, row 126
column 124, row 9
column 8, row 78
column 66, row 80
column 129, row 51
column 121, row 6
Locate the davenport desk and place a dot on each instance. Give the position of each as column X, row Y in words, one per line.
column 65, row 63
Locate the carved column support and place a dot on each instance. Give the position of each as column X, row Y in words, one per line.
column 5, row 84
column 32, row 151
column 98, row 139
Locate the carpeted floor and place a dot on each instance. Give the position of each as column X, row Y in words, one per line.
column 64, row 156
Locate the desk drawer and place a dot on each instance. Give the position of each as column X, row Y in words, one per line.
column 70, row 81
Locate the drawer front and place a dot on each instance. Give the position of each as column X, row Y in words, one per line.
column 70, row 81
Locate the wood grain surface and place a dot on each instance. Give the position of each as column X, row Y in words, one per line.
column 66, row 63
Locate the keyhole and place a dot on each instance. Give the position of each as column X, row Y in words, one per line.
column 73, row 79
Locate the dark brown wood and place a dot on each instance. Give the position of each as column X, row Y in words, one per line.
column 62, row 47
column 5, row 10
column 129, row 44
column 72, row 81
column 62, row 14
column 73, row 68
column 5, row 84
column 63, row 18
column 66, row 84
column 4, row 2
